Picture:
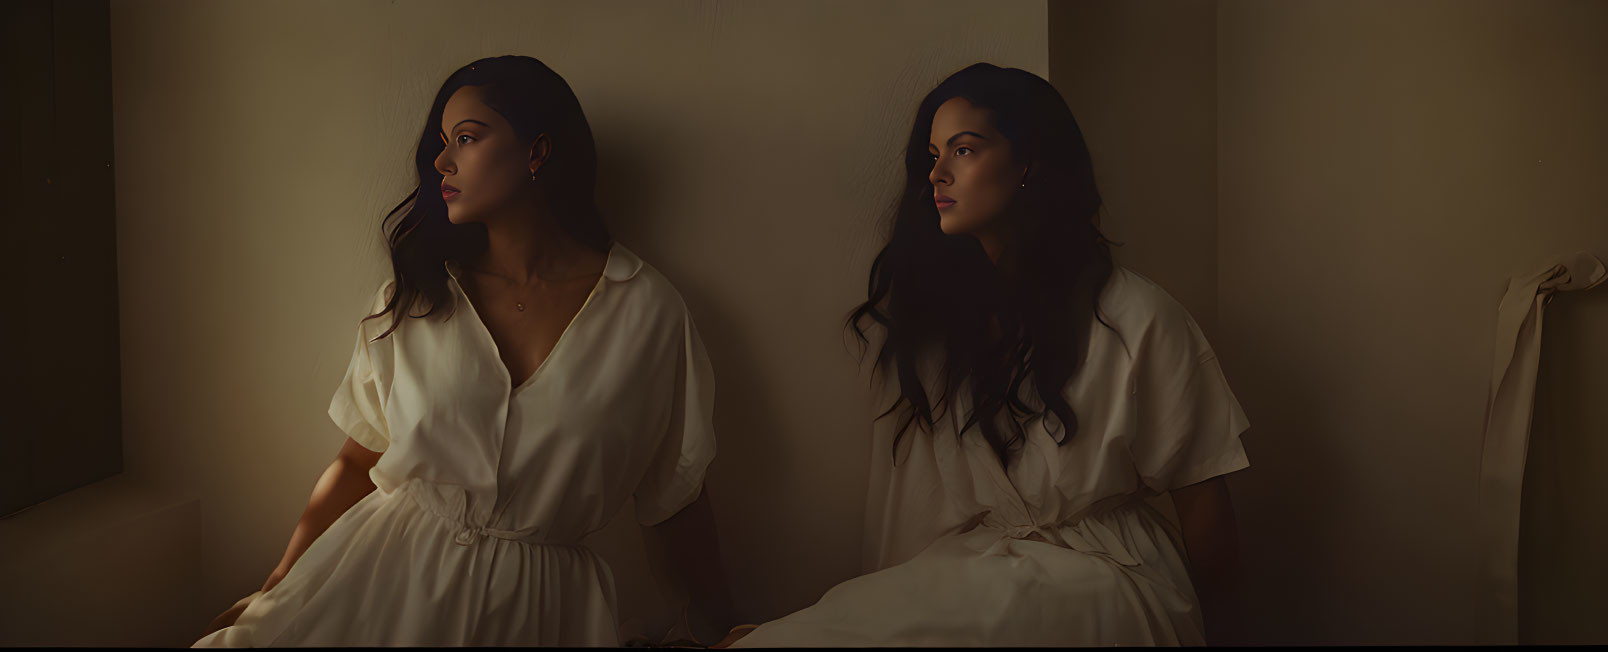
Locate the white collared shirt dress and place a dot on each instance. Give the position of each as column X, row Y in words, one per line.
column 1059, row 548
column 484, row 489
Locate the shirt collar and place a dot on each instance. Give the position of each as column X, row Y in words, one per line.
column 622, row 265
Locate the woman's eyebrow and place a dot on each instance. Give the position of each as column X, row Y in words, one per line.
column 444, row 133
column 956, row 137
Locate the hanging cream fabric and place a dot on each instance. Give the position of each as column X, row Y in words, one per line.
column 1507, row 433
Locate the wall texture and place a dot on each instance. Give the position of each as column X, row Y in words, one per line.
column 1383, row 168
column 1141, row 79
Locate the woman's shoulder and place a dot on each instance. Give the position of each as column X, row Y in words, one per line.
column 1150, row 320
column 648, row 286
column 377, row 300
column 1138, row 302
column 382, row 295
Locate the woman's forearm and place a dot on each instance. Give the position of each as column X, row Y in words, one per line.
column 1211, row 541
column 341, row 486
column 1213, row 558
column 1214, row 578
column 691, row 549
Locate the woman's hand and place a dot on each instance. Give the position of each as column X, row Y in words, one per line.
column 274, row 578
column 731, row 637
column 229, row 616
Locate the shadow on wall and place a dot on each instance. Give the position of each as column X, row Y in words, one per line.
column 1284, row 408
column 1562, row 535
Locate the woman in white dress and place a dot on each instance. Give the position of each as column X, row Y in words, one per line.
column 1038, row 394
column 520, row 378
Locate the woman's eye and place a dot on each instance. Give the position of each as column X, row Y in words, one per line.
column 958, row 150
column 461, row 137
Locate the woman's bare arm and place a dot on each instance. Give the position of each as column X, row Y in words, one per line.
column 344, row 483
column 690, row 547
column 1211, row 540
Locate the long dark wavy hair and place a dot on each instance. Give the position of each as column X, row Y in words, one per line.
column 534, row 100
column 935, row 294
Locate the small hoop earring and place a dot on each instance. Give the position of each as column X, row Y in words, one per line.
column 532, row 175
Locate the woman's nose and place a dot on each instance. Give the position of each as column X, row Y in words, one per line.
column 938, row 173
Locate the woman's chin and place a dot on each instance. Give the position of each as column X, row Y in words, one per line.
column 951, row 226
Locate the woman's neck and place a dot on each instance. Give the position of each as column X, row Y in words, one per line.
column 531, row 246
column 993, row 244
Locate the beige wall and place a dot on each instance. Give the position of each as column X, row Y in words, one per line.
column 747, row 149
column 1141, row 79
column 1383, row 167
column 1364, row 176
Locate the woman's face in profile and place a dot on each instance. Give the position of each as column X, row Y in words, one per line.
column 973, row 174
column 483, row 159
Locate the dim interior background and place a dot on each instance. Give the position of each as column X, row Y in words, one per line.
column 1336, row 190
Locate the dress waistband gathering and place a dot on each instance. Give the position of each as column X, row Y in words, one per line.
column 450, row 503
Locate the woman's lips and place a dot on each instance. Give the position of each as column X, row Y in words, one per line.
column 448, row 192
column 943, row 202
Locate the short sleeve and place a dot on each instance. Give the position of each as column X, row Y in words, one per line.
column 675, row 474
column 358, row 406
column 1189, row 422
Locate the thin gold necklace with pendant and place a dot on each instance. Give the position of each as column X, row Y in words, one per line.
column 520, row 305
